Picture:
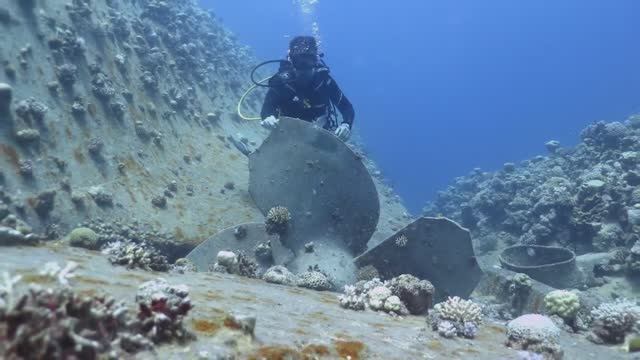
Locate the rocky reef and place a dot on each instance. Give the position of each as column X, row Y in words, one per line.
column 584, row 198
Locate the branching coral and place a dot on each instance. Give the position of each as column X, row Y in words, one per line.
column 134, row 255
column 613, row 321
column 416, row 294
column 57, row 323
column 60, row 274
column 162, row 308
column 465, row 315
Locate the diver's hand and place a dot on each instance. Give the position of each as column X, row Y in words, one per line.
column 270, row 122
column 343, row 132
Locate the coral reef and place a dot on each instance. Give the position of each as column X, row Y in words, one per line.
column 581, row 197
column 183, row 266
column 134, row 255
column 31, row 109
column 562, row 303
column 404, row 294
column 277, row 221
column 366, row 273
column 60, row 274
column 56, row 323
column 226, row 262
column 135, row 231
column 415, row 294
column 611, row 322
column 263, row 252
column 14, row 231
column 247, row 266
column 536, row 333
column 464, row 315
column 314, row 280
column 401, row 241
column 162, row 309
column 85, row 238
column 280, row 275
column 519, row 288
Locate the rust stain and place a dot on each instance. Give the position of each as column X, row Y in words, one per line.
column 11, row 154
column 316, row 350
column 206, row 326
column 92, row 281
column 349, row 349
column 131, row 195
column 435, row 345
column 213, row 296
column 78, row 155
column 233, row 157
column 31, row 278
column 92, row 109
column 231, row 323
column 179, row 234
column 275, row 353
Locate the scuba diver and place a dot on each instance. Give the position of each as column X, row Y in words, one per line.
column 303, row 89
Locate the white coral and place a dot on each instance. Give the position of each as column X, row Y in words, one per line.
column 61, row 275
column 351, row 299
column 619, row 316
column 377, row 297
column 459, row 311
column 534, row 328
column 6, row 289
column 447, row 329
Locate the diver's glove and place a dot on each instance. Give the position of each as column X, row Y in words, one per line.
column 343, row 132
column 270, row 122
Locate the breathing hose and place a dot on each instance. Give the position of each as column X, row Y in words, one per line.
column 256, row 84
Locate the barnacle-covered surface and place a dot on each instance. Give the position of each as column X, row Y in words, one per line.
column 126, row 109
column 289, row 320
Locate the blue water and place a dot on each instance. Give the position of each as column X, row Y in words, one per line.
column 441, row 87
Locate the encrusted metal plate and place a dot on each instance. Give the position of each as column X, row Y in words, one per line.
column 435, row 249
column 323, row 183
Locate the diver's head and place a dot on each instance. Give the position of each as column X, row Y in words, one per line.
column 303, row 54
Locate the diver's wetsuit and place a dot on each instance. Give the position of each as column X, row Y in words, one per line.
column 307, row 102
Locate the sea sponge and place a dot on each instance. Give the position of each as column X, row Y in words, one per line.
column 84, row 237
column 563, row 303
column 278, row 220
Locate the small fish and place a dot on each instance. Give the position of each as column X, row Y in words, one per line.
column 531, row 252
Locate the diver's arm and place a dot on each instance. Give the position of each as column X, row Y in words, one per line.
column 341, row 102
column 270, row 104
